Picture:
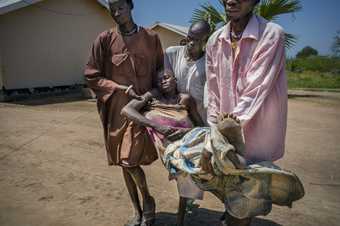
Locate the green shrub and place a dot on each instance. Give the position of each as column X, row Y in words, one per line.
column 307, row 52
column 315, row 63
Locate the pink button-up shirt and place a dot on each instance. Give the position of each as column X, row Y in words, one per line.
column 252, row 85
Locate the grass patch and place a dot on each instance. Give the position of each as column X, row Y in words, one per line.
column 312, row 79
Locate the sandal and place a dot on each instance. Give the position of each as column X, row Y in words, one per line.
column 225, row 218
column 135, row 221
column 149, row 214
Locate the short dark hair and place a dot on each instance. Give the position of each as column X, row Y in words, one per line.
column 130, row 3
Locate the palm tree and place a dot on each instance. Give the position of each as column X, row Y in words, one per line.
column 269, row 9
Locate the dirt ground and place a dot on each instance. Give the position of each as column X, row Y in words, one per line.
column 53, row 169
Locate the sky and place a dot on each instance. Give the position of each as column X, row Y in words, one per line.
column 315, row 25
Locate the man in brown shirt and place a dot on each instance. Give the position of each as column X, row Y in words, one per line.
column 123, row 65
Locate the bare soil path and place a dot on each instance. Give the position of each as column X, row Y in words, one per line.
column 53, row 169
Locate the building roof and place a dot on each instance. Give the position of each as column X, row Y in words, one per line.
column 7, row 6
column 104, row 3
column 181, row 30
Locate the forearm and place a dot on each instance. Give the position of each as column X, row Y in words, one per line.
column 104, row 88
column 94, row 70
column 138, row 118
column 100, row 83
column 196, row 117
column 190, row 104
column 131, row 111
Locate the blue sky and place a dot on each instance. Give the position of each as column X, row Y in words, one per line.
column 315, row 25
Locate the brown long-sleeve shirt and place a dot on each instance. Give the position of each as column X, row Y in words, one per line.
column 134, row 62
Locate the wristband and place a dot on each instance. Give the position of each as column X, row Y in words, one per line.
column 128, row 89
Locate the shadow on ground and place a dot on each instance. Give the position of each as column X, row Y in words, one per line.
column 293, row 96
column 203, row 217
column 46, row 100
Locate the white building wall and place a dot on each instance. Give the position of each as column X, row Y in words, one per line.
column 41, row 48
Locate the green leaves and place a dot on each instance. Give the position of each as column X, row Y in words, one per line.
column 214, row 16
column 290, row 40
column 272, row 9
column 269, row 9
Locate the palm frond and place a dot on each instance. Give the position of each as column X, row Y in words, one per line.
column 271, row 9
column 290, row 40
column 209, row 13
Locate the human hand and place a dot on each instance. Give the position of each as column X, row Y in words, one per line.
column 131, row 93
column 147, row 96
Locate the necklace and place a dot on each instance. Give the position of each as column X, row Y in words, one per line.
column 236, row 36
column 129, row 33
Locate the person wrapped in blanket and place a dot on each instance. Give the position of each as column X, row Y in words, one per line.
column 168, row 116
column 211, row 156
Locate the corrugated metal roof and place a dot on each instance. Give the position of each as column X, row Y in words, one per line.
column 7, row 6
column 104, row 3
column 175, row 28
column 4, row 3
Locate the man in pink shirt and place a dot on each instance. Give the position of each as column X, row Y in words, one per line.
column 245, row 66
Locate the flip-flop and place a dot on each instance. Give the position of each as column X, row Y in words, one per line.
column 149, row 215
column 134, row 222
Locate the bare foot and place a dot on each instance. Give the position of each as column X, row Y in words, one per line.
column 222, row 116
column 230, row 127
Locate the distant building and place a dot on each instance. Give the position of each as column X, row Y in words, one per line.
column 45, row 43
column 169, row 34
